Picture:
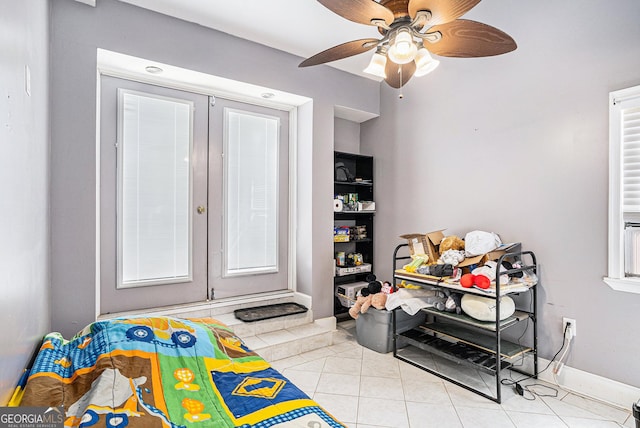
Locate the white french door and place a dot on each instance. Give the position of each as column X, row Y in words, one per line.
column 194, row 197
column 153, row 176
column 248, row 179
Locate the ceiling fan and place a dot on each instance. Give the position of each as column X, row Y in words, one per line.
column 411, row 30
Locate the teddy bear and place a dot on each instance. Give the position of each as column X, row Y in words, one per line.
column 379, row 300
column 372, row 295
column 451, row 242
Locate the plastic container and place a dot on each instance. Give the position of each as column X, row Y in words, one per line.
column 374, row 329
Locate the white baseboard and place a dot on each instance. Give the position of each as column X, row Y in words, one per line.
column 591, row 385
column 329, row 323
column 302, row 299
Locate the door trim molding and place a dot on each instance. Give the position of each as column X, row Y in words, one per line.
column 205, row 305
column 123, row 66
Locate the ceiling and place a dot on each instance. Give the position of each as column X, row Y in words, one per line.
column 300, row 27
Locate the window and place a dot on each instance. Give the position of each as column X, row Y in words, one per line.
column 624, row 190
column 154, row 190
column 251, row 193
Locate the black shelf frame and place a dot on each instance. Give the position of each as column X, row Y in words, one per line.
column 353, row 183
column 361, row 166
column 466, row 352
column 457, row 352
column 353, row 213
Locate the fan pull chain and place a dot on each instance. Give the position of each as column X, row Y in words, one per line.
column 401, row 96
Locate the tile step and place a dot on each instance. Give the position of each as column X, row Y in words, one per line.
column 213, row 309
column 248, row 329
column 287, row 342
column 272, row 339
column 281, row 337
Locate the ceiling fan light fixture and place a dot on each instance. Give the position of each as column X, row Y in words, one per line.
column 376, row 65
column 403, row 50
column 408, row 29
column 425, row 64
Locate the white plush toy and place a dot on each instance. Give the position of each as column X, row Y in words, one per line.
column 484, row 308
column 451, row 257
column 489, row 270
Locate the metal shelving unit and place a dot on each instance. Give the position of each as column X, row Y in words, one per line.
column 466, row 341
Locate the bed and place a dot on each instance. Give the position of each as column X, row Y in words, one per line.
column 164, row 372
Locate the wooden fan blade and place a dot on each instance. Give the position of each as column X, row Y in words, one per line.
column 463, row 38
column 360, row 11
column 344, row 50
column 442, row 11
column 394, row 78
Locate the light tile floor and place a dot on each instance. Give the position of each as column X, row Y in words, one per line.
column 365, row 389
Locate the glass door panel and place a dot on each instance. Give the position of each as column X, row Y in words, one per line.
column 154, row 190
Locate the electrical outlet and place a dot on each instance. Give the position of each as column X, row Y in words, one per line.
column 571, row 321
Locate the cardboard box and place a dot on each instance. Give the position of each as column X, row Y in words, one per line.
column 342, row 271
column 366, row 206
column 341, row 234
column 347, row 293
column 481, row 259
column 491, row 255
column 428, row 244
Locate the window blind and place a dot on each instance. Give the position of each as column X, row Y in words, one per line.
column 631, row 159
column 154, row 232
column 632, row 249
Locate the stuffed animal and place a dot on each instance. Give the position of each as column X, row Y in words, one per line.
column 362, row 304
column 451, row 242
column 451, row 257
column 452, row 303
column 374, row 286
column 379, row 300
column 370, row 296
column 387, row 288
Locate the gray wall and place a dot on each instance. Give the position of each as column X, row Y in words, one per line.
column 347, row 136
column 24, row 174
column 77, row 30
column 518, row 145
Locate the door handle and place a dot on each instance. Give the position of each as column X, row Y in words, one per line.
column 201, row 209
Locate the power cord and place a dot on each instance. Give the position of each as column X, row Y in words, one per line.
column 568, row 336
column 520, row 390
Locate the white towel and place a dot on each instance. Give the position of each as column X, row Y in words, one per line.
column 411, row 301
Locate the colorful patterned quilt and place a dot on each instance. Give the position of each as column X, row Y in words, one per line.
column 165, row 372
